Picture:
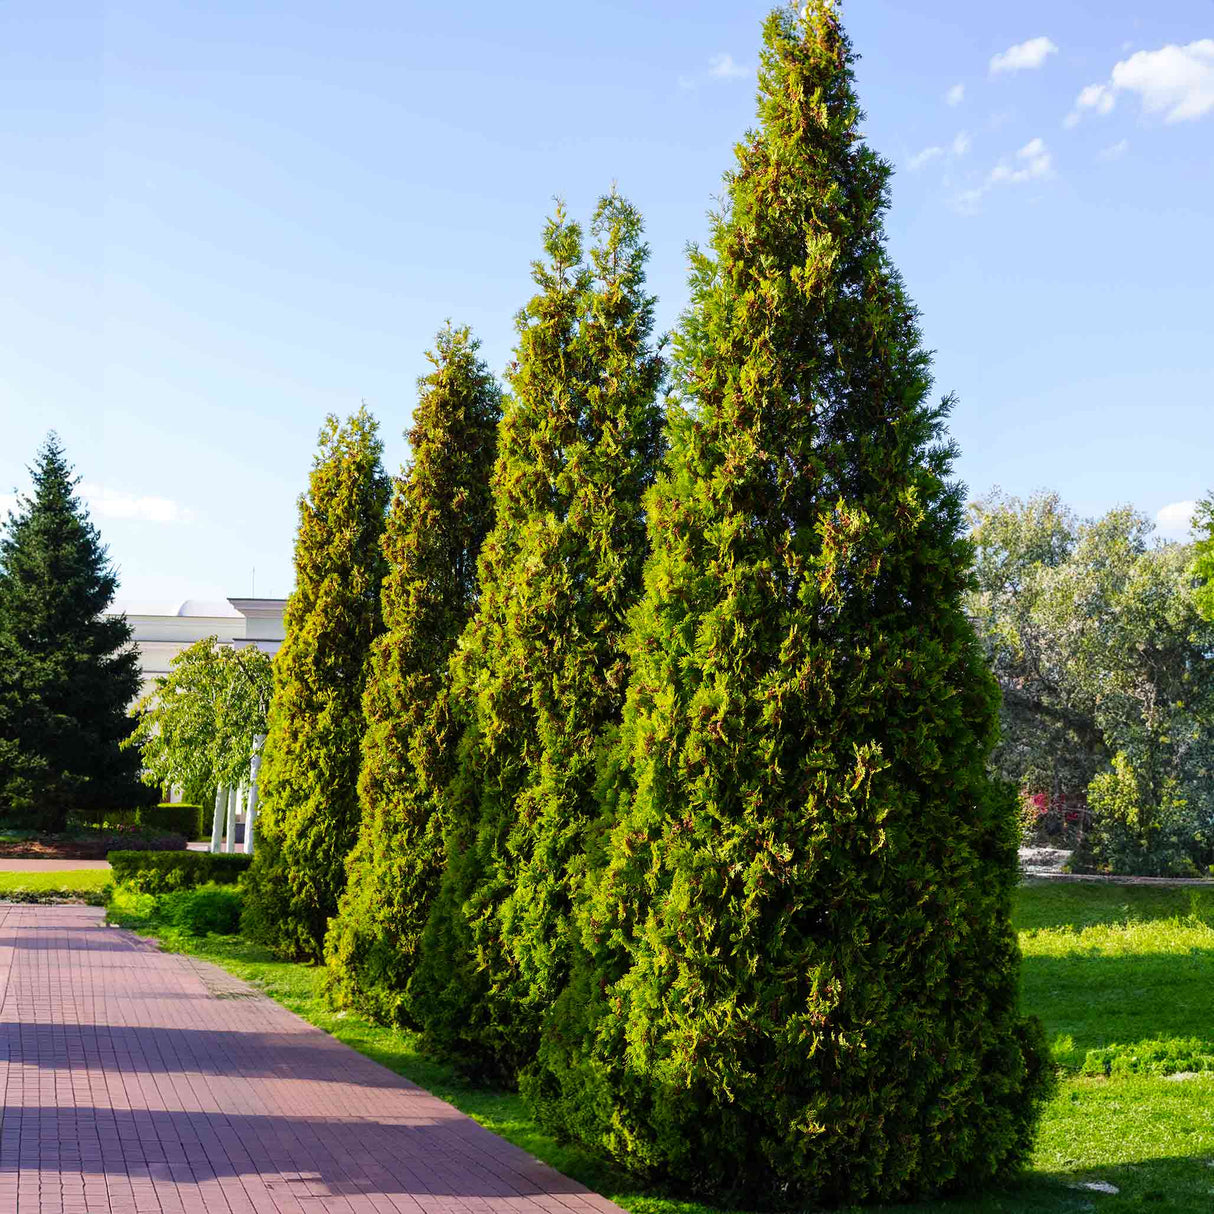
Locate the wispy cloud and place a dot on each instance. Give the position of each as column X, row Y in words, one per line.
column 1175, row 519
column 1023, row 56
column 1032, row 162
column 723, row 67
column 720, row 67
column 1175, row 81
column 959, row 147
column 104, row 502
column 955, row 95
column 1114, row 151
column 925, row 157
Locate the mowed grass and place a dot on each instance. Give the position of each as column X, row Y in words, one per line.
column 84, row 884
column 1125, row 971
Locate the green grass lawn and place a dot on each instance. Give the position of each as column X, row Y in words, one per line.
column 1122, row 976
column 83, row 884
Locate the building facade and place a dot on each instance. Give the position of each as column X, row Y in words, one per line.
column 162, row 631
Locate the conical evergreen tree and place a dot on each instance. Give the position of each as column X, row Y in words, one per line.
column 440, row 515
column 541, row 665
column 68, row 674
column 800, row 981
column 309, row 776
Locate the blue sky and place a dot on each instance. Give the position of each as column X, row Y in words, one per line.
column 225, row 220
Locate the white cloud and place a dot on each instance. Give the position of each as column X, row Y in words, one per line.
column 1177, row 81
column 1175, row 519
column 723, row 67
column 955, row 95
column 1114, row 151
column 919, row 159
column 103, row 502
column 1030, row 54
column 961, row 143
column 1098, row 97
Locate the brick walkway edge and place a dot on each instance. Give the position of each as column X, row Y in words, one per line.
column 135, row 1080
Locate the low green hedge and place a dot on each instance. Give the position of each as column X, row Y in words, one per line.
column 189, row 820
column 160, row 872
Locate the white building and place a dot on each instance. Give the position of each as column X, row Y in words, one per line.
column 162, row 630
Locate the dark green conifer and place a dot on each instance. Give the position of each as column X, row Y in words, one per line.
column 800, row 981
column 68, row 673
column 309, row 777
column 440, row 515
column 541, row 667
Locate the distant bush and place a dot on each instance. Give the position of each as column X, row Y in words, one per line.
column 1177, row 1057
column 162, row 872
column 188, row 820
column 208, row 908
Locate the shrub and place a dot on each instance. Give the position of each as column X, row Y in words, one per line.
column 1138, row 830
column 207, row 908
column 160, row 872
column 192, row 821
column 800, row 983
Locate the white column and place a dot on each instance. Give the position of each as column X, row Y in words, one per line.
column 221, row 800
column 229, row 844
column 250, row 817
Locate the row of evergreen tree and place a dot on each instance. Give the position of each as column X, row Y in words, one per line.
column 641, row 759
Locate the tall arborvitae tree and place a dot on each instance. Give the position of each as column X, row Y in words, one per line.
column 801, row 980
column 309, row 776
column 541, row 665
column 68, row 673
column 440, row 515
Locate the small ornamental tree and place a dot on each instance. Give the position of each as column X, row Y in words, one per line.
column 68, row 672
column 541, row 666
column 441, row 512
column 309, row 775
column 800, row 980
column 198, row 728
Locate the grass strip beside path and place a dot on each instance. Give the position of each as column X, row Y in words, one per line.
column 74, row 885
column 1105, row 966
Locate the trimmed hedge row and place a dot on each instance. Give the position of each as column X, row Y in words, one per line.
column 190, row 820
column 160, row 872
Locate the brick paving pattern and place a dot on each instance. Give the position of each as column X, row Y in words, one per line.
column 135, row 1080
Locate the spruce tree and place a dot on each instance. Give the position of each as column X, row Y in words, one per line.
column 799, row 980
column 68, row 673
column 541, row 666
column 309, row 775
column 441, row 512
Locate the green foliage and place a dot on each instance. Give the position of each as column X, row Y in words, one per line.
column 799, row 980
column 1096, row 637
column 1150, row 831
column 67, row 672
column 159, row 872
column 309, row 775
column 441, row 512
column 198, row 728
column 1203, row 557
column 189, row 821
column 208, row 908
column 541, row 666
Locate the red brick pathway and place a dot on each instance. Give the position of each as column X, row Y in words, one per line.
column 135, row 1080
